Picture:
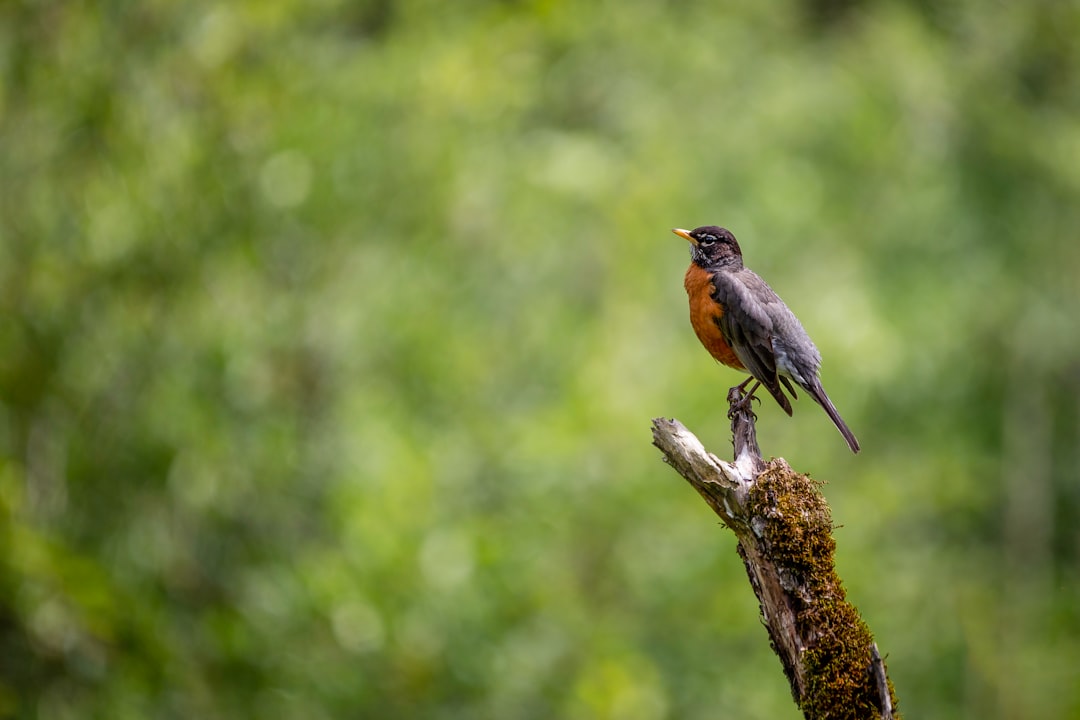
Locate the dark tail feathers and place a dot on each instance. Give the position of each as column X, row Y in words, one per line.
column 818, row 393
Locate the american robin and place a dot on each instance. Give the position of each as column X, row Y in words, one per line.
column 746, row 326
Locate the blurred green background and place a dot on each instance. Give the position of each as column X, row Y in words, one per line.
column 331, row 334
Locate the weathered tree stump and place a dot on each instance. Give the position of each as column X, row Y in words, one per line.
column 784, row 530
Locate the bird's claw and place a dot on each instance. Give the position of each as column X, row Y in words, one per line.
column 739, row 399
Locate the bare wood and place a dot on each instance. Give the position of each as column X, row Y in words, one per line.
column 784, row 531
column 881, row 679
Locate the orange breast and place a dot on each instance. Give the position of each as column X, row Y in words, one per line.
column 704, row 312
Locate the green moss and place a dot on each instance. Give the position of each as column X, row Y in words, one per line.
column 798, row 535
column 839, row 682
column 799, row 527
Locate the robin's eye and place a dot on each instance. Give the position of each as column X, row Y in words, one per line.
column 707, row 239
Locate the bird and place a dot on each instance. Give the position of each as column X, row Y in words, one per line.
column 745, row 325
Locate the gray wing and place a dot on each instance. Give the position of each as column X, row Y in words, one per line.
column 748, row 325
column 796, row 355
column 771, row 342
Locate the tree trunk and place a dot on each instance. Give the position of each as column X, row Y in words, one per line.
column 784, row 530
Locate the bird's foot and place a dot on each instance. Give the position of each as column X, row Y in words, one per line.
column 739, row 399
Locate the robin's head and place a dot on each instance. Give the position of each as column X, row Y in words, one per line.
column 712, row 247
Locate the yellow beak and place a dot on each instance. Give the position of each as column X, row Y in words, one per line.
column 685, row 234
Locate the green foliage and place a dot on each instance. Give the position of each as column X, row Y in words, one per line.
column 332, row 333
